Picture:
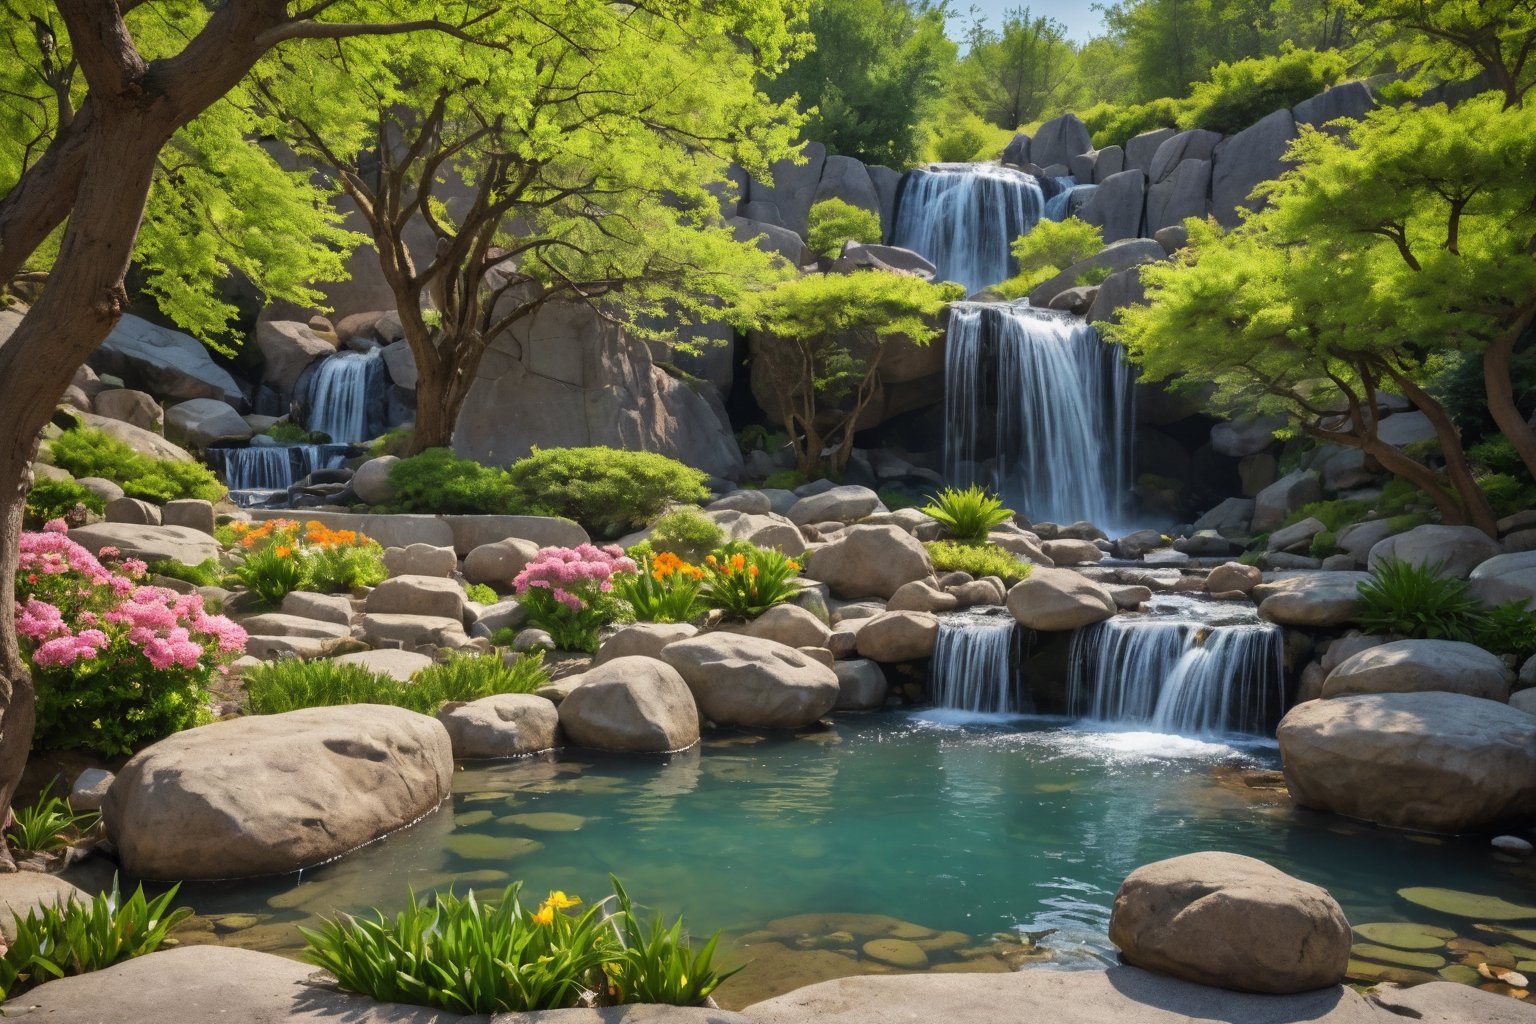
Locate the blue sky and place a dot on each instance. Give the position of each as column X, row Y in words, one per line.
column 1081, row 22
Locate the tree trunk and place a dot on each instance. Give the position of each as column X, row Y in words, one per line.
column 1501, row 392
column 1478, row 512
column 434, row 420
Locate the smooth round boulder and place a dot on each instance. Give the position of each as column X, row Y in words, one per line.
column 870, row 561
column 269, row 794
column 633, row 705
column 396, row 664
column 1456, row 549
column 421, row 560
column 1315, row 599
column 432, row 596
column 790, row 625
column 846, row 504
column 502, row 725
column 1059, row 599
column 148, row 543
column 862, row 685
column 898, row 636
column 751, row 682
column 1506, row 578
column 1232, row 922
column 1072, row 552
column 371, row 483
column 499, row 561
column 643, row 640
column 1414, row 666
column 1437, row 762
column 1233, row 577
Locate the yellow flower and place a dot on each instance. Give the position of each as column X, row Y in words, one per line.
column 560, row 901
column 793, row 565
column 546, row 914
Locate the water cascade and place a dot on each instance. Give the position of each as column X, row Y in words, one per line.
column 346, row 396
column 974, row 666
column 256, row 474
column 1037, row 408
column 963, row 217
column 1069, row 201
column 1171, row 672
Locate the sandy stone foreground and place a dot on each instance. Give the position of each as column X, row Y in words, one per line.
column 198, row 984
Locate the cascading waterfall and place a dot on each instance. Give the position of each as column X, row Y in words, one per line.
column 973, row 666
column 1067, row 202
column 253, row 475
column 963, row 217
column 1179, row 675
column 1039, row 409
column 345, row 397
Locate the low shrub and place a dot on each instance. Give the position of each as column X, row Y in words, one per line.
column 290, row 685
column 48, row 825
column 481, row 594
column 396, row 442
column 285, row 432
column 1334, row 515
column 833, row 222
column 977, row 559
column 471, row 955
column 786, row 480
column 607, row 490
column 1324, row 544
column 1496, row 454
column 1047, row 250
column 1114, row 124
column 687, row 532
column 743, row 580
column 1415, row 600
column 60, row 499
column 1507, row 629
column 281, row 556
column 438, row 481
column 569, row 592
column 207, row 573
column 83, row 936
column 87, row 452
column 117, row 663
column 1507, row 493
column 968, row 515
column 665, row 589
column 1242, row 92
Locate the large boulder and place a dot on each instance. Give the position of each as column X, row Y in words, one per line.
column 637, row 705
column 751, row 682
column 499, row 562
column 845, row 178
column 421, row 560
column 766, row 530
column 861, row 685
column 1437, row 762
column 148, row 543
column 417, row 595
column 1059, row 140
column 566, row 377
column 793, row 190
column 1116, row 206
column 898, row 636
column 141, row 440
column 163, row 362
column 1232, row 922
column 1239, row 163
column 643, row 640
column 287, row 349
column 1504, row 578
column 1121, row 289
column 370, row 481
column 1059, row 599
column 1345, row 100
column 790, row 625
column 1184, row 193
column 269, row 794
column 1414, row 666
column 1313, row 599
column 23, row 892
column 1142, row 150
column 772, row 237
column 1129, row 252
column 1238, row 438
column 502, row 725
column 1457, row 550
column 870, row 561
column 1274, row 503
column 846, row 504
column 1181, row 147
column 130, row 406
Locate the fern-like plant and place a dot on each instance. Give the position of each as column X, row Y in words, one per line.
column 48, row 825
column 657, row 964
column 968, row 515
column 1415, row 600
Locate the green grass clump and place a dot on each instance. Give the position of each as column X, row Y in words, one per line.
column 968, row 515
column 607, row 490
column 1324, row 544
column 289, row 685
column 686, row 532
column 396, row 442
column 480, row 593
column 1334, row 515
column 1414, row 600
column 48, row 825
column 786, row 480
column 285, row 432
column 87, row 452
column 83, row 936
column 207, row 573
column 977, row 559
column 59, row 499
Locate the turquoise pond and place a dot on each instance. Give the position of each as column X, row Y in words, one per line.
column 973, row 825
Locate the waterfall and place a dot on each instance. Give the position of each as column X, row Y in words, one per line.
column 1037, row 408
column 346, row 396
column 963, row 217
column 255, row 474
column 973, row 666
column 1179, row 675
column 1066, row 203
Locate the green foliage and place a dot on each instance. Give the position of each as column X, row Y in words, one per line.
column 1112, row 124
column 1048, row 249
column 686, row 531
column 1092, row 276
column 83, row 936
column 1496, row 455
column 48, row 825
column 271, row 572
column 656, row 964
column 786, row 480
column 396, row 442
column 89, row 452
column 1239, row 94
column 480, row 593
column 1014, row 74
column 339, row 568
column 743, row 580
column 1507, row 629
column 1324, row 544
column 960, row 137
column 977, row 559
column 59, row 499
column 287, row 432
column 289, row 684
column 207, row 573
column 666, row 589
column 757, row 438
column 1334, row 515
column 877, row 65
column 970, row 514
column 895, row 499
column 1507, row 493
column 834, row 222
column 824, row 337
column 607, row 490
column 1399, row 497
column 1416, row 601
column 1436, row 42
column 438, row 481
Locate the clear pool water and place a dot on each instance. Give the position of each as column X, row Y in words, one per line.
column 952, row 822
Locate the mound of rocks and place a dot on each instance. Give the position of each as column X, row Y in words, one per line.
column 1230, row 921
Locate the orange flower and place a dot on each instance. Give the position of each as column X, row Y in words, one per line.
column 752, row 571
column 283, row 551
column 793, row 565
column 739, row 562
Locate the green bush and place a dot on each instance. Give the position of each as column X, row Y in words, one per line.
column 687, row 532
column 966, row 138
column 1507, row 629
column 1240, row 93
column 59, row 499
column 1507, row 493
column 1324, row 544
column 289, row 685
column 83, row 936
column 978, row 560
column 833, row 222
column 607, row 490
column 666, row 589
column 968, row 515
column 285, row 432
column 1399, row 497
column 1334, row 515
column 48, row 825
column 1496, row 455
column 439, row 482
column 1047, row 250
column 207, row 573
column 396, row 442
column 1416, row 601
column 1113, row 124
column 786, row 480
column 473, row 955
column 87, row 452
column 480, row 593
column 743, row 580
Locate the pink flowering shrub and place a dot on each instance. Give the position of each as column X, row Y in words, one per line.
column 117, row 664
column 569, row 592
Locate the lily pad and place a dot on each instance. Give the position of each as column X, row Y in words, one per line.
column 1466, row 904
column 1363, row 970
column 1400, row 957
column 1461, row 974
column 1523, row 934
column 545, row 821
column 1405, row 936
column 478, row 847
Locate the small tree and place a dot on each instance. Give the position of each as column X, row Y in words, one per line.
column 1049, row 248
column 824, row 336
column 834, row 222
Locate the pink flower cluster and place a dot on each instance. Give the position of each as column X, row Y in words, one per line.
column 72, row 608
column 572, row 574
